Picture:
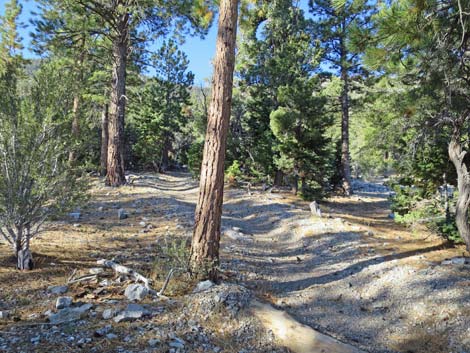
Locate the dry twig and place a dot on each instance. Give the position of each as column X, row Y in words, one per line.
column 125, row 271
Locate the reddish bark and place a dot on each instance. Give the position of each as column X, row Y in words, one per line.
column 115, row 160
column 206, row 236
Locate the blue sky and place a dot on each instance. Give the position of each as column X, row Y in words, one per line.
column 199, row 51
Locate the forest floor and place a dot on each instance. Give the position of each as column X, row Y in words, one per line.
column 352, row 274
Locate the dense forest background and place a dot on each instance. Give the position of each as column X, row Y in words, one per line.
column 324, row 92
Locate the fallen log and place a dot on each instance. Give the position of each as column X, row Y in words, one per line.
column 125, row 271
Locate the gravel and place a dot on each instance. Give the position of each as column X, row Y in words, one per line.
column 327, row 272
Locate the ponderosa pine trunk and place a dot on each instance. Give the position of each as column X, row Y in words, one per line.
column 104, row 140
column 75, row 127
column 303, row 185
column 278, row 178
column 76, row 103
column 165, row 163
column 206, row 237
column 115, row 161
column 457, row 156
column 345, row 161
column 295, row 185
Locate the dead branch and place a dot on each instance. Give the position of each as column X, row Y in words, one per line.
column 125, row 271
column 165, row 284
column 82, row 279
column 72, row 275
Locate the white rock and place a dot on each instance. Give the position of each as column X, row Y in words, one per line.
column 58, row 289
column 132, row 312
column 136, row 292
column 234, row 235
column 203, row 286
column 104, row 283
column 70, row 314
column 456, row 261
column 96, row 270
column 315, row 209
column 63, row 302
column 4, row 315
column 108, row 314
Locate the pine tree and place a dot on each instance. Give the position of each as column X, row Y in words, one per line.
column 282, row 123
column 342, row 28
column 11, row 60
column 431, row 41
column 158, row 110
column 122, row 25
column 63, row 35
column 206, row 237
column 36, row 180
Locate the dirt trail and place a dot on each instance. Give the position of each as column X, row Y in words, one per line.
column 353, row 274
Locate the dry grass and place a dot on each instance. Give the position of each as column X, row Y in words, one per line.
column 63, row 248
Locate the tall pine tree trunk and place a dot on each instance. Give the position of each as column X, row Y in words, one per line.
column 115, row 160
column 345, row 161
column 75, row 127
column 206, row 236
column 457, row 156
column 278, row 178
column 76, row 103
column 165, row 163
column 295, row 184
column 104, row 140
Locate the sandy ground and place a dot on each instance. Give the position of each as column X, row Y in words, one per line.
column 352, row 274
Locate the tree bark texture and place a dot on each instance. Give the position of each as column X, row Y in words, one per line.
column 278, row 178
column 295, row 185
column 75, row 127
column 165, row 162
column 206, row 236
column 345, row 161
column 104, row 141
column 77, row 102
column 457, row 156
column 23, row 253
column 115, row 160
